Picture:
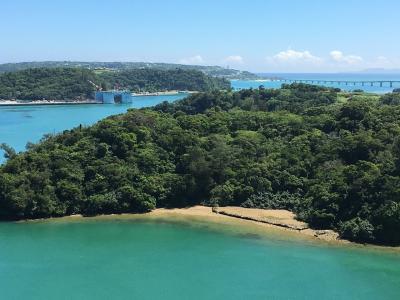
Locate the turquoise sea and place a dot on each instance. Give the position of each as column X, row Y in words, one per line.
column 243, row 84
column 159, row 259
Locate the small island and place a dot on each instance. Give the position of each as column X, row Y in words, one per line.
column 329, row 157
column 74, row 85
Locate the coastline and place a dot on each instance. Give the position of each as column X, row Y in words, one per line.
column 281, row 220
column 87, row 101
column 241, row 225
column 46, row 102
column 165, row 93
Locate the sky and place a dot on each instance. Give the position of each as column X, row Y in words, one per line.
column 254, row 35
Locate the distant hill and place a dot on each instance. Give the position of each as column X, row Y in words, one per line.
column 77, row 83
column 153, row 80
column 215, row 71
column 44, row 83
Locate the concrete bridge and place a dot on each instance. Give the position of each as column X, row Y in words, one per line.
column 381, row 83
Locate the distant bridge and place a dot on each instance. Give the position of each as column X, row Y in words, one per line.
column 381, row 83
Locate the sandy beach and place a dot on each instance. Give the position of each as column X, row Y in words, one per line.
column 277, row 222
column 279, row 219
column 280, row 224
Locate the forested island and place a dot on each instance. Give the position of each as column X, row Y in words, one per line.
column 78, row 83
column 215, row 71
column 332, row 158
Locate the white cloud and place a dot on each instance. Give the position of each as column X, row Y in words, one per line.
column 382, row 58
column 293, row 56
column 235, row 59
column 383, row 61
column 338, row 56
column 333, row 61
column 197, row 59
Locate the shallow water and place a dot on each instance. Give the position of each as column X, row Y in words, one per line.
column 157, row 259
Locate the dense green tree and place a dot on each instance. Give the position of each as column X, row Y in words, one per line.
column 78, row 83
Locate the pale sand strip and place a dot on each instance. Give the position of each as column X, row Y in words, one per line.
column 279, row 219
column 272, row 221
column 46, row 102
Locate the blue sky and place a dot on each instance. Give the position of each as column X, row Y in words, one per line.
column 269, row 36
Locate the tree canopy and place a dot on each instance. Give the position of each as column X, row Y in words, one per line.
column 215, row 71
column 75, row 83
column 160, row 80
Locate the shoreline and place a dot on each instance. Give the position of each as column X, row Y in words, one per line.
column 246, row 225
column 45, row 102
column 87, row 101
column 165, row 93
column 281, row 220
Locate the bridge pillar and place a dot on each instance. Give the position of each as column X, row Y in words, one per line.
column 381, row 83
column 391, row 84
column 372, row 84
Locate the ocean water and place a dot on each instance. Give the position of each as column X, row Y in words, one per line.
column 244, row 84
column 22, row 124
column 138, row 259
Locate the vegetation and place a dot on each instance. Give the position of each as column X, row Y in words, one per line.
column 335, row 164
column 214, row 71
column 160, row 80
column 37, row 84
column 75, row 83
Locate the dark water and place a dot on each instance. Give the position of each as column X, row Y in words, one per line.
column 111, row 259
